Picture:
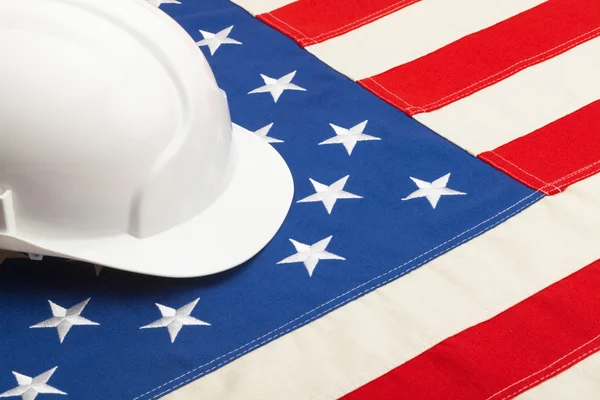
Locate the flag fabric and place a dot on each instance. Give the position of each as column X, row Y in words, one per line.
column 443, row 238
column 502, row 80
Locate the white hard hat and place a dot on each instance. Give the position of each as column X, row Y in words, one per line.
column 116, row 145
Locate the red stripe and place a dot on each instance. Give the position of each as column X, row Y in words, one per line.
column 488, row 56
column 554, row 156
column 313, row 21
column 508, row 354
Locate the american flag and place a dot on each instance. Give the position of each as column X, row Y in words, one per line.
column 443, row 239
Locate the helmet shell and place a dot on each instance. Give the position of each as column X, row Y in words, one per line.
column 110, row 122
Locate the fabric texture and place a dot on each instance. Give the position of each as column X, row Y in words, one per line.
column 417, row 196
column 442, row 241
column 388, row 327
column 479, row 74
column 533, row 337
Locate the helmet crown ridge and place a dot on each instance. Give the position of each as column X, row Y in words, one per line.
column 111, row 121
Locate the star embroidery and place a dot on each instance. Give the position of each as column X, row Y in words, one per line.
column 174, row 320
column 215, row 40
column 29, row 387
column 349, row 137
column 311, row 254
column 63, row 319
column 158, row 3
column 264, row 131
column 277, row 86
column 329, row 194
column 432, row 191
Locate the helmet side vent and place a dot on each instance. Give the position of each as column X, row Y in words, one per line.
column 7, row 214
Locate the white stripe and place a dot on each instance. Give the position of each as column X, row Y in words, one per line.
column 367, row 337
column 412, row 32
column 579, row 382
column 522, row 102
column 256, row 7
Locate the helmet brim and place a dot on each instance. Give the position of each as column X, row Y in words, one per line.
column 238, row 225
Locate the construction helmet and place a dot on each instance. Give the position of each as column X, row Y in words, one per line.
column 117, row 148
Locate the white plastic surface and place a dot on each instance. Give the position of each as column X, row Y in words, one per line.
column 7, row 213
column 117, row 146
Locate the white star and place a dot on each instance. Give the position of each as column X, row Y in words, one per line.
column 64, row 319
column 277, row 86
column 263, row 132
column 158, row 3
column 174, row 320
column 310, row 255
column 329, row 194
column 349, row 137
column 29, row 387
column 215, row 40
column 432, row 191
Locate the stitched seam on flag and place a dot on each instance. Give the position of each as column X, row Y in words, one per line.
column 281, row 28
column 564, row 185
column 498, row 76
column 305, row 40
column 521, row 169
column 406, row 103
column 578, row 171
column 562, row 178
column 518, row 177
column 359, row 22
column 571, row 178
column 576, row 178
column 595, row 349
column 553, row 372
column 334, row 306
column 504, row 169
column 561, row 48
column 275, row 333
